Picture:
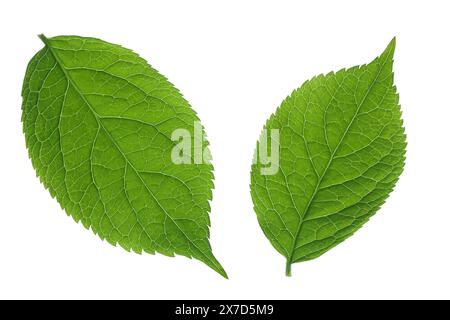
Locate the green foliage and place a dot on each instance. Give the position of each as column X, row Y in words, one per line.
column 342, row 150
column 98, row 122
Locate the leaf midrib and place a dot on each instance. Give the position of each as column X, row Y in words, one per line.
column 98, row 119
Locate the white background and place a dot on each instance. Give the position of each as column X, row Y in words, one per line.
column 235, row 61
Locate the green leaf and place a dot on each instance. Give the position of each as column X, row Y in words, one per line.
column 98, row 122
column 341, row 152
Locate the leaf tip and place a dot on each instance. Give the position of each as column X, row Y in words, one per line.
column 394, row 40
column 210, row 260
column 224, row 274
column 222, row 271
column 393, row 43
column 390, row 49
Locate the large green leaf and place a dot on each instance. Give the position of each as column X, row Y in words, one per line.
column 98, row 122
column 341, row 151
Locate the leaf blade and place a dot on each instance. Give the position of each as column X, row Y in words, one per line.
column 327, row 128
column 112, row 115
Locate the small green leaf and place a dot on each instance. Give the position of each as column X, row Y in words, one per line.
column 341, row 151
column 98, row 122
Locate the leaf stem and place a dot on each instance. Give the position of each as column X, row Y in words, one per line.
column 43, row 38
column 288, row 268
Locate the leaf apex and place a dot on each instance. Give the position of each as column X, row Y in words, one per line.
column 224, row 274
column 390, row 49
column 220, row 270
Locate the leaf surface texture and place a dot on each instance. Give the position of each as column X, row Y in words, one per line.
column 98, row 122
column 342, row 150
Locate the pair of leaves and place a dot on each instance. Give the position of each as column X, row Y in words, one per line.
column 98, row 122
